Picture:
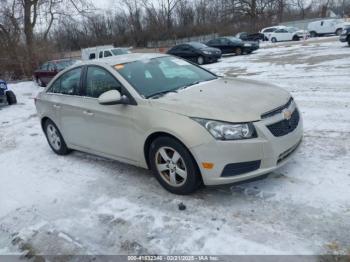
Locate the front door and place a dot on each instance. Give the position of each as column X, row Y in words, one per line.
column 110, row 129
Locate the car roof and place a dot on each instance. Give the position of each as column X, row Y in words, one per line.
column 60, row 60
column 123, row 59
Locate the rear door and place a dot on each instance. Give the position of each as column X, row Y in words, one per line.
column 282, row 35
column 69, row 104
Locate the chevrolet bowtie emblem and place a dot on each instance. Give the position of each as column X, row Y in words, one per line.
column 287, row 115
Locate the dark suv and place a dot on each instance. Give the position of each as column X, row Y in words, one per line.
column 345, row 35
column 48, row 70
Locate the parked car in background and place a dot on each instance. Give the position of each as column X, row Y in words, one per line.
column 345, row 35
column 100, row 52
column 196, row 52
column 43, row 75
column 288, row 34
column 163, row 113
column 251, row 37
column 7, row 97
column 269, row 30
column 326, row 27
column 230, row 44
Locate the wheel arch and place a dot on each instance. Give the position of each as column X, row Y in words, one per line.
column 158, row 134
column 43, row 121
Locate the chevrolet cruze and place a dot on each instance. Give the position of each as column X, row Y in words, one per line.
column 189, row 126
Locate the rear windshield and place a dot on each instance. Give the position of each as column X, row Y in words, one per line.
column 64, row 64
column 162, row 74
column 198, row 45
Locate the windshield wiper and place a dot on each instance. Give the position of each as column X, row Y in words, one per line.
column 194, row 83
column 160, row 94
column 190, row 84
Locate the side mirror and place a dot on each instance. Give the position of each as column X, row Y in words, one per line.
column 113, row 97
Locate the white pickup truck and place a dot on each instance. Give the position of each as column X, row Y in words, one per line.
column 326, row 27
column 100, row 52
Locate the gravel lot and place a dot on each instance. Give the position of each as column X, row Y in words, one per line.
column 82, row 204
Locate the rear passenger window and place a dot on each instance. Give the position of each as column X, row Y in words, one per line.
column 98, row 81
column 67, row 84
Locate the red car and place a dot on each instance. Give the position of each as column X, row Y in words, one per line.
column 48, row 70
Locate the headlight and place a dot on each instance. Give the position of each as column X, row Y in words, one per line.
column 207, row 52
column 3, row 86
column 227, row 131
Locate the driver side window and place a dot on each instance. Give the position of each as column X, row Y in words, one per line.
column 99, row 81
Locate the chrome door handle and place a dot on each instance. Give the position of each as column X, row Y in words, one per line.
column 56, row 106
column 88, row 113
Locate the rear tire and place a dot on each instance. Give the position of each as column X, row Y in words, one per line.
column 11, row 98
column 238, row 51
column 338, row 31
column 173, row 166
column 55, row 139
column 313, row 34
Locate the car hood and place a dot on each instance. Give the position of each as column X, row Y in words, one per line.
column 225, row 99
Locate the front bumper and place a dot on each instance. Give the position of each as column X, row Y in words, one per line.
column 251, row 48
column 268, row 151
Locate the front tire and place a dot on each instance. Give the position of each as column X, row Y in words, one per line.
column 200, row 60
column 296, row 38
column 313, row 34
column 11, row 98
column 174, row 166
column 273, row 40
column 55, row 139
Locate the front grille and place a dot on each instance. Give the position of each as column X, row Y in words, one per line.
column 285, row 127
column 240, row 168
column 277, row 110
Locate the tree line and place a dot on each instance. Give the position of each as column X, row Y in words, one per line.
column 32, row 31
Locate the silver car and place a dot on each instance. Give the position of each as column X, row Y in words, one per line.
column 189, row 126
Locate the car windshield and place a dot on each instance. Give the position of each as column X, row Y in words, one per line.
column 120, row 51
column 64, row 64
column 198, row 45
column 158, row 76
column 234, row 39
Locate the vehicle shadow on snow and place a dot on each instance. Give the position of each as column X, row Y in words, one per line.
column 136, row 180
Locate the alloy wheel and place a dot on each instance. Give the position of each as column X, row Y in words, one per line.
column 53, row 136
column 171, row 166
column 200, row 60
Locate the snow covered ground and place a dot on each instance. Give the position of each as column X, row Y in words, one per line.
column 82, row 204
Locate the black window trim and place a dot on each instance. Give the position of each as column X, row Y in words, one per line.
column 59, row 79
